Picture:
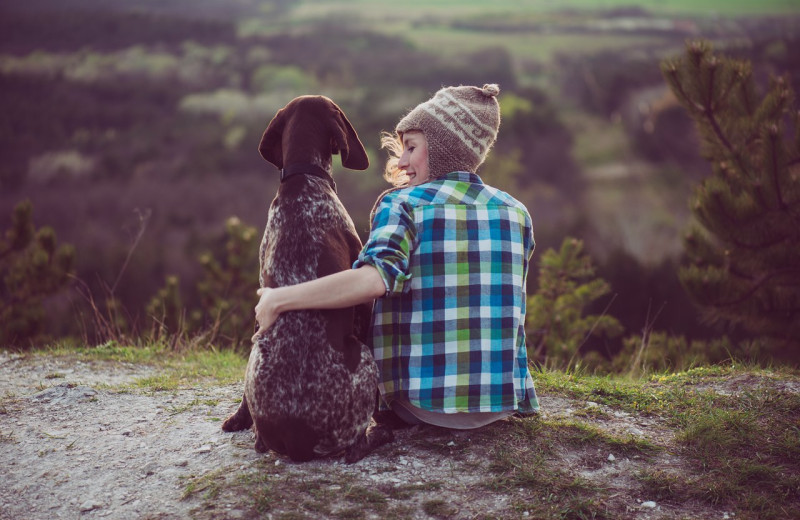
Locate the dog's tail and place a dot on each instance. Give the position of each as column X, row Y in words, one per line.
column 290, row 436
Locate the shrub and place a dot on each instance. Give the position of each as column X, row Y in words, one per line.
column 32, row 267
column 555, row 324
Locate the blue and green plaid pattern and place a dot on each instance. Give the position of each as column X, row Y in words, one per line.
column 449, row 334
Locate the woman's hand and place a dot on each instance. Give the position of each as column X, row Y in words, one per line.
column 265, row 311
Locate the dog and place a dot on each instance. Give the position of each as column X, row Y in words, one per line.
column 311, row 382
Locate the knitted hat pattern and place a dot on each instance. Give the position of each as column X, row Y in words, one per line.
column 460, row 125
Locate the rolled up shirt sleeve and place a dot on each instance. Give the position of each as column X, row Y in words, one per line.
column 391, row 242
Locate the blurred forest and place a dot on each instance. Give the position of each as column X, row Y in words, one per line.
column 133, row 130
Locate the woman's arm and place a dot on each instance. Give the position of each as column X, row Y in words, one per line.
column 335, row 291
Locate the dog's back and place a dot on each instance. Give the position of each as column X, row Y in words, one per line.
column 311, row 380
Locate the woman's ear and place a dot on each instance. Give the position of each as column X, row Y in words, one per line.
column 352, row 151
column 271, row 146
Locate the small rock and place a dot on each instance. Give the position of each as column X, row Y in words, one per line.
column 591, row 404
column 182, row 463
column 611, row 457
column 149, row 469
column 89, row 505
column 277, row 462
column 649, row 504
column 126, row 433
column 203, row 449
column 451, row 443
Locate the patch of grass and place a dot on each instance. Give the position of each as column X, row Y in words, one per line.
column 737, row 433
column 367, row 498
column 175, row 410
column 281, row 492
column 662, row 485
column 744, row 449
column 209, row 484
column 439, row 508
column 406, row 491
column 528, row 460
column 175, row 369
column 582, row 434
column 592, row 412
column 350, row 513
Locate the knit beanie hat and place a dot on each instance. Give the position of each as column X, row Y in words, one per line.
column 460, row 125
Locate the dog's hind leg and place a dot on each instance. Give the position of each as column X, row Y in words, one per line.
column 240, row 420
column 287, row 436
column 374, row 437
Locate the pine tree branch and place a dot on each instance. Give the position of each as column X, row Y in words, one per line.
column 763, row 245
column 773, row 137
column 724, row 140
column 707, row 112
column 760, row 281
column 748, row 103
column 724, row 94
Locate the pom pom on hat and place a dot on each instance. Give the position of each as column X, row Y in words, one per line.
column 460, row 125
column 490, row 89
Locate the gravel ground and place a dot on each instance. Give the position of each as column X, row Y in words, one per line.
column 77, row 444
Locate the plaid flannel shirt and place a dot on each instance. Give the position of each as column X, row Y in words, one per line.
column 449, row 334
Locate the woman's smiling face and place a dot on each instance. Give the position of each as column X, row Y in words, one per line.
column 415, row 158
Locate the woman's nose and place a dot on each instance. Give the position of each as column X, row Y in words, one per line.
column 402, row 163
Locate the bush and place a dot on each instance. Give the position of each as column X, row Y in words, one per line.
column 555, row 323
column 32, row 267
column 223, row 311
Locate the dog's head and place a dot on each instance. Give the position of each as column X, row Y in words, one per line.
column 312, row 126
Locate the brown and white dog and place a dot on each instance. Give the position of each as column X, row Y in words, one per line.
column 311, row 382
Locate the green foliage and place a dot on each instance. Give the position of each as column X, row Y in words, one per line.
column 32, row 267
column 555, row 324
column 166, row 309
column 223, row 310
column 269, row 78
column 743, row 252
column 662, row 352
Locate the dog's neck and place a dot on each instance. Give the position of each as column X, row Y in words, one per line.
column 308, row 168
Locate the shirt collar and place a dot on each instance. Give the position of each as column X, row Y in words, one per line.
column 461, row 177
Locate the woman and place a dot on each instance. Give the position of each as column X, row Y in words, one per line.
column 446, row 262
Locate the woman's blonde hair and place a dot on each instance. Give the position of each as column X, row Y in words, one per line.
column 394, row 144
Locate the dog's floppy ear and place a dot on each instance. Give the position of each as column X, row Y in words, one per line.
column 271, row 146
column 352, row 151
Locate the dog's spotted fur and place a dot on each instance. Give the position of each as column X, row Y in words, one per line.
column 310, row 385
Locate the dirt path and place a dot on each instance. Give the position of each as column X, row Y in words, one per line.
column 73, row 445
